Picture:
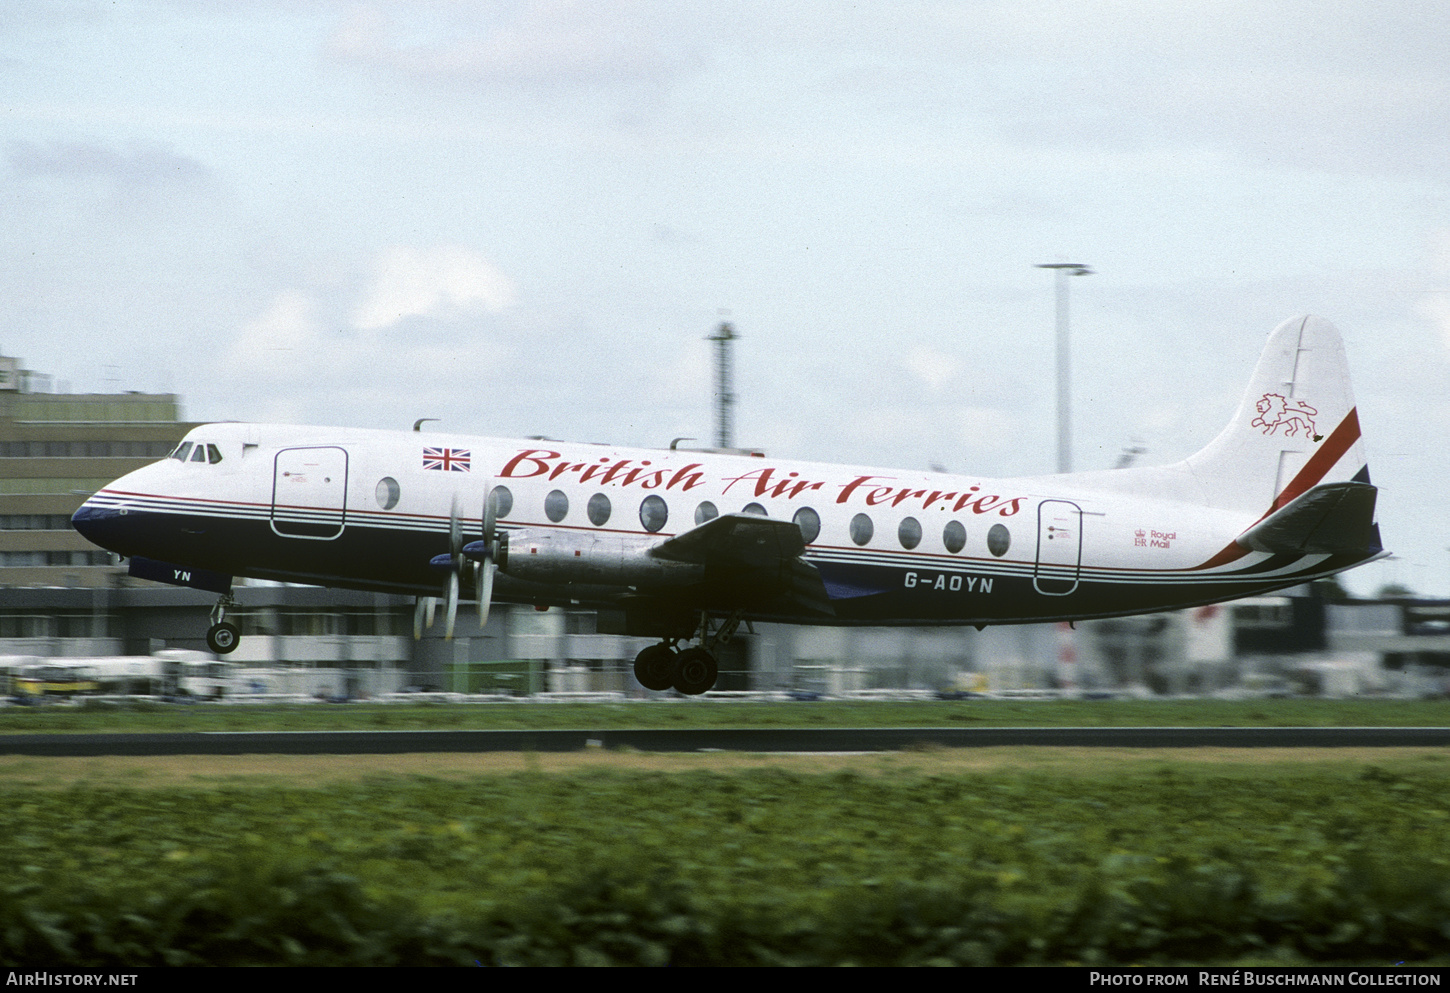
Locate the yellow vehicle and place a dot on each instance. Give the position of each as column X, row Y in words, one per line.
column 120, row 675
column 55, row 677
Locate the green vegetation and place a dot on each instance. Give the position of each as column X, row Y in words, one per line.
column 1130, row 861
column 95, row 716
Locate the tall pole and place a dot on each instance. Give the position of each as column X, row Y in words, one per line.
column 724, row 381
column 1064, row 362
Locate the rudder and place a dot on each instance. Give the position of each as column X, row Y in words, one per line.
column 1296, row 427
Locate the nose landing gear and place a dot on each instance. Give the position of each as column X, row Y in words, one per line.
column 223, row 637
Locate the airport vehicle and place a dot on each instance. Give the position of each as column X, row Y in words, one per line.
column 83, row 676
column 687, row 545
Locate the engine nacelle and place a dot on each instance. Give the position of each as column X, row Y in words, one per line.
column 545, row 555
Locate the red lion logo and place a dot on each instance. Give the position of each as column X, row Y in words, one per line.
column 1276, row 412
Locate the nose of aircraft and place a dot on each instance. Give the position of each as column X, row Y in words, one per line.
column 100, row 525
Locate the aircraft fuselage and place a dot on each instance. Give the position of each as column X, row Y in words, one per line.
column 667, row 543
column 370, row 509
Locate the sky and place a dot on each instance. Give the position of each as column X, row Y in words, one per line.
column 525, row 218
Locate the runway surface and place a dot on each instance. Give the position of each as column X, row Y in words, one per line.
column 708, row 739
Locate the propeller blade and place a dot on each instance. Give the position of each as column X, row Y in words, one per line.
column 455, row 535
column 485, row 594
column 479, row 594
column 484, row 570
column 452, row 605
column 455, row 566
column 490, row 515
column 432, row 602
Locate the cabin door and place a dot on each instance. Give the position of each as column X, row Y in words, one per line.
column 1059, row 547
column 309, row 493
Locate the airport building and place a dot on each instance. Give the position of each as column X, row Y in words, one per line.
column 56, row 449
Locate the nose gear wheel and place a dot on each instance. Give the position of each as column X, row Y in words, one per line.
column 223, row 636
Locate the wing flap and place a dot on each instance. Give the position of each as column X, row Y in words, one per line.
column 757, row 542
column 756, row 559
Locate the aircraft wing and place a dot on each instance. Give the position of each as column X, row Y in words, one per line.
column 755, row 557
column 1328, row 519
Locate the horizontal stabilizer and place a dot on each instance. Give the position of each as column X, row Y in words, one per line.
column 1334, row 518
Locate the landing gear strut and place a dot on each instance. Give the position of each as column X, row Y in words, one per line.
column 223, row 636
column 692, row 671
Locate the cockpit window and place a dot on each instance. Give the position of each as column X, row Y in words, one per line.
column 213, row 454
column 199, row 455
column 182, row 450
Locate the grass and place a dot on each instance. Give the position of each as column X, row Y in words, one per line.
column 990, row 856
column 216, row 771
column 703, row 713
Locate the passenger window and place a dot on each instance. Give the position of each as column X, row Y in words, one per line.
column 653, row 513
column 954, row 536
column 503, row 501
column 598, row 510
column 706, row 512
column 861, row 529
column 556, row 506
column 388, row 493
column 999, row 539
column 182, row 450
column 755, row 509
column 809, row 522
column 213, row 454
column 909, row 533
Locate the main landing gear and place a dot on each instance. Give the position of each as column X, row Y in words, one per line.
column 692, row 671
column 223, row 636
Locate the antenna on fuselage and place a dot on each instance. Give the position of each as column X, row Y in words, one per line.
column 418, row 424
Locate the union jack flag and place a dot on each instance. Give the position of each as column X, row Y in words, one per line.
column 446, row 459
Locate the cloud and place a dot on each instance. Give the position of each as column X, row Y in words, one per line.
column 538, row 43
column 1434, row 305
column 439, row 281
column 934, row 368
column 277, row 339
column 1363, row 89
column 140, row 165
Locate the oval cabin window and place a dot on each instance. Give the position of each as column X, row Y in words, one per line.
column 556, row 506
column 653, row 513
column 388, row 493
column 503, row 501
column 954, row 537
column 598, row 510
column 809, row 522
column 999, row 539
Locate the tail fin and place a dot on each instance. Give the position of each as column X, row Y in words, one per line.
column 1295, row 429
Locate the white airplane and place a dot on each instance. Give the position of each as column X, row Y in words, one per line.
column 685, row 545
